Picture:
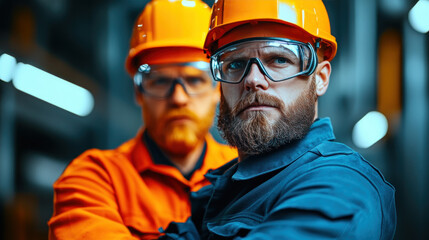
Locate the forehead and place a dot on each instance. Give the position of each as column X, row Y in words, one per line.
column 259, row 48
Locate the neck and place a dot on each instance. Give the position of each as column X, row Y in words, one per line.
column 316, row 110
column 186, row 162
column 241, row 156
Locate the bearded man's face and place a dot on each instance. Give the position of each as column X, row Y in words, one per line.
column 179, row 122
column 258, row 121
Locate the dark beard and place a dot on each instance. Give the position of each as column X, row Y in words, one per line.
column 258, row 133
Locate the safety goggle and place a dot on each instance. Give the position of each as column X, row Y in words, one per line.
column 277, row 58
column 160, row 80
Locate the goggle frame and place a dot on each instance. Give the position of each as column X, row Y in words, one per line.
column 312, row 64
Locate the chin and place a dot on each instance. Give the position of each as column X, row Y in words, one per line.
column 271, row 115
column 181, row 139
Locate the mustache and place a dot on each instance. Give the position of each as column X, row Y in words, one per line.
column 256, row 99
column 179, row 113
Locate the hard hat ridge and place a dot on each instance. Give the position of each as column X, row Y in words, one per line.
column 176, row 28
column 307, row 18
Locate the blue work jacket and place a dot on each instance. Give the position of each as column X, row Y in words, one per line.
column 314, row 188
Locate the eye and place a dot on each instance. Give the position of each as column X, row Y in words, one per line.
column 195, row 80
column 281, row 60
column 236, row 65
column 159, row 82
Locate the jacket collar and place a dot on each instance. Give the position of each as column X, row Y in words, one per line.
column 321, row 130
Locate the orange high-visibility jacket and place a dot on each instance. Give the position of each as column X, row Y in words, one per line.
column 122, row 194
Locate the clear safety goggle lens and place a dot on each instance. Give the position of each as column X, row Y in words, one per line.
column 160, row 80
column 278, row 59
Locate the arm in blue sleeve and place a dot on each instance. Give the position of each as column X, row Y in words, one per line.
column 189, row 229
column 328, row 202
column 180, row 231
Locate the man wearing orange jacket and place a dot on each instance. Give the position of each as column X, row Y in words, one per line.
column 132, row 191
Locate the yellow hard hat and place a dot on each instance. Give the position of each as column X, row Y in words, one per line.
column 304, row 17
column 169, row 31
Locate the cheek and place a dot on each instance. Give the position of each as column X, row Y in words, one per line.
column 290, row 91
column 203, row 105
column 152, row 111
column 231, row 93
column 289, row 97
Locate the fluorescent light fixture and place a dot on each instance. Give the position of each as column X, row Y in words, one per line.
column 188, row 3
column 370, row 129
column 53, row 89
column 7, row 67
column 419, row 16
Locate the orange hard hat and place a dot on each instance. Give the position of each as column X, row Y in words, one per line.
column 307, row 18
column 169, row 31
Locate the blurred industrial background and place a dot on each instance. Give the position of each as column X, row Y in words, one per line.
column 382, row 68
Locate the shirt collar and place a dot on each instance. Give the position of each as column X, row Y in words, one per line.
column 158, row 157
column 321, row 130
column 226, row 170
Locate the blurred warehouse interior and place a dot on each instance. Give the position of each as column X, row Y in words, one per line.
column 377, row 99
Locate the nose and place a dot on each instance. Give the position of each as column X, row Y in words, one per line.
column 179, row 97
column 255, row 80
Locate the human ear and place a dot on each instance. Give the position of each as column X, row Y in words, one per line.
column 138, row 97
column 323, row 73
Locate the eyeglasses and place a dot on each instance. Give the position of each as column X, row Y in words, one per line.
column 277, row 58
column 160, row 80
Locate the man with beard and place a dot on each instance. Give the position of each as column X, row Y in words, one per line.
column 291, row 179
column 132, row 191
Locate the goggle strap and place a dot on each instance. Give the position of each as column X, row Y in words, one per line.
column 144, row 68
column 313, row 63
column 301, row 57
column 201, row 65
column 138, row 79
column 318, row 43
